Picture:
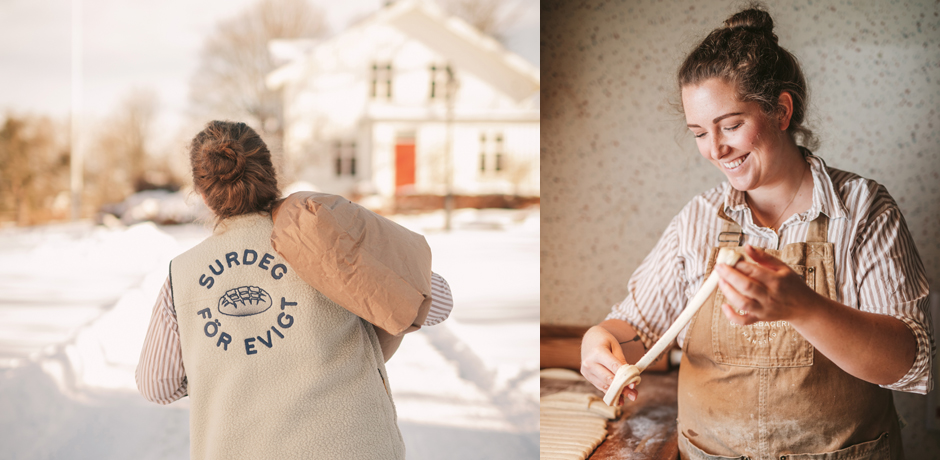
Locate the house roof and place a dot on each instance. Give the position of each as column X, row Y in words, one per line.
column 467, row 48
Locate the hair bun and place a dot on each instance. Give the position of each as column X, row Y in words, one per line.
column 754, row 20
column 230, row 160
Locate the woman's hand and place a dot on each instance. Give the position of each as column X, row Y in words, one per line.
column 601, row 356
column 765, row 290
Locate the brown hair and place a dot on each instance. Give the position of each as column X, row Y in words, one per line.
column 232, row 168
column 744, row 52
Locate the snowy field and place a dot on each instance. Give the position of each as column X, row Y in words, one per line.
column 75, row 301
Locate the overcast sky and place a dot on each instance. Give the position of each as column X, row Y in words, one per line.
column 130, row 44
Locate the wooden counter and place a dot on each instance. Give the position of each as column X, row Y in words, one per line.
column 646, row 429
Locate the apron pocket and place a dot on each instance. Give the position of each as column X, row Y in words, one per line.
column 688, row 451
column 765, row 344
column 878, row 449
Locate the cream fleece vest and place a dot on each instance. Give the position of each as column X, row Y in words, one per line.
column 275, row 369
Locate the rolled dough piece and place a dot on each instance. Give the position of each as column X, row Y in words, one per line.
column 582, row 439
column 592, row 430
column 582, row 451
column 560, row 374
column 583, row 420
column 579, row 402
column 561, row 419
column 560, row 457
column 576, row 442
column 570, row 427
column 599, row 409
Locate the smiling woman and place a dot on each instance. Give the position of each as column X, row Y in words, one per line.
column 756, row 92
column 812, row 331
column 754, row 150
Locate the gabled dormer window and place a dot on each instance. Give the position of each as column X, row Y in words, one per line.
column 344, row 158
column 492, row 156
column 382, row 80
column 439, row 76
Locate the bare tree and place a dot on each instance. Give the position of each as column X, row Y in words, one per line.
column 34, row 165
column 107, row 172
column 230, row 80
column 125, row 158
column 123, row 147
column 492, row 17
column 134, row 126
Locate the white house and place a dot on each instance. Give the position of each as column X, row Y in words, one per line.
column 367, row 112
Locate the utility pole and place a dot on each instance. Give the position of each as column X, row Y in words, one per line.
column 76, row 160
column 450, row 93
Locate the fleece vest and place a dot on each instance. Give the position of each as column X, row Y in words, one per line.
column 275, row 369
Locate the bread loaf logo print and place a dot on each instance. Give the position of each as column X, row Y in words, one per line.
column 265, row 332
column 245, row 301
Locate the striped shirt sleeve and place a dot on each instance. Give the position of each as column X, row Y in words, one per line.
column 442, row 302
column 160, row 375
column 892, row 281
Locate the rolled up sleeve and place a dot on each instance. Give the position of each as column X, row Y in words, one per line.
column 442, row 301
column 917, row 379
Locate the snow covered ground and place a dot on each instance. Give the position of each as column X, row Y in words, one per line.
column 75, row 301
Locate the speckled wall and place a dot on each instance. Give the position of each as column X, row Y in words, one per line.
column 618, row 163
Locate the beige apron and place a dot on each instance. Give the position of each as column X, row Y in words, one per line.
column 763, row 392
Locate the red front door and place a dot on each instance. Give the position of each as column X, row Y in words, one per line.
column 404, row 164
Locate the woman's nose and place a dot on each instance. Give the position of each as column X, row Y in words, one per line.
column 718, row 147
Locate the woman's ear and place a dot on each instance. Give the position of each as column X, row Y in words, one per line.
column 784, row 110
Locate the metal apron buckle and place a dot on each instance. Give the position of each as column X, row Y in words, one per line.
column 732, row 237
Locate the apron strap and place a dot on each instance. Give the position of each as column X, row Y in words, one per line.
column 818, row 231
column 731, row 235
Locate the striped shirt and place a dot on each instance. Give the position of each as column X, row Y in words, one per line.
column 877, row 267
column 160, row 374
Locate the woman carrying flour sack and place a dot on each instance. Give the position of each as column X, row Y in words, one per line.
column 273, row 367
column 798, row 350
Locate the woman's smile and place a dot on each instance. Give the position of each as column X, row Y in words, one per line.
column 734, row 164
